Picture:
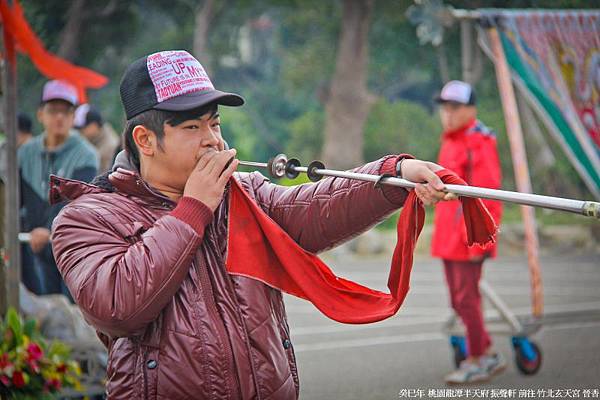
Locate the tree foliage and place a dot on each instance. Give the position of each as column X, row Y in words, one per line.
column 280, row 55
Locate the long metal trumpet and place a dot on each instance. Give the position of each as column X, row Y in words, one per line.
column 281, row 166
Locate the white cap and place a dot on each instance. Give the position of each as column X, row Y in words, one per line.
column 59, row 90
column 457, row 92
column 80, row 115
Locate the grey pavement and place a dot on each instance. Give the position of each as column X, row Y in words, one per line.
column 410, row 351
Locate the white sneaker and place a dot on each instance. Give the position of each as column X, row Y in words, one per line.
column 468, row 372
column 472, row 372
column 494, row 364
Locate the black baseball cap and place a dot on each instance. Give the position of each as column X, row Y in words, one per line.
column 170, row 80
column 86, row 114
column 24, row 122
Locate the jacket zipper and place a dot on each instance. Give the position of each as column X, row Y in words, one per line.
column 209, row 299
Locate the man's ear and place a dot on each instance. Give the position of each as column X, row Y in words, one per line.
column 145, row 139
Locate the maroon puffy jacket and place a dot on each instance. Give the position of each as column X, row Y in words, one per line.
column 150, row 276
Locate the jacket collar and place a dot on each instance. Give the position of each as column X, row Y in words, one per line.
column 63, row 189
column 124, row 178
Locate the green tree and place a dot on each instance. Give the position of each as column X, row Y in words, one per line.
column 401, row 127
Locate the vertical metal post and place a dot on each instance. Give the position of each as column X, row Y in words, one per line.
column 519, row 158
column 466, row 43
column 13, row 252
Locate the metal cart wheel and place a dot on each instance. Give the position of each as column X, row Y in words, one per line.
column 528, row 356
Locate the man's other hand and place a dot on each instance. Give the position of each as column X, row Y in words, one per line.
column 39, row 238
column 431, row 190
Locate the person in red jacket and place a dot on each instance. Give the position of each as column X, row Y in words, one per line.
column 469, row 149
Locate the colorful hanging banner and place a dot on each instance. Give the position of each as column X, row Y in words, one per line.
column 556, row 55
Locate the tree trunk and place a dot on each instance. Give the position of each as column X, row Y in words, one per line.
column 71, row 33
column 204, row 16
column 348, row 103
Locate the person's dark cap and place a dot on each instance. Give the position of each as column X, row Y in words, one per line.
column 24, row 122
column 457, row 92
column 85, row 115
column 170, row 80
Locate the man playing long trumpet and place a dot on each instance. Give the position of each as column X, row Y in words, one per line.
column 146, row 249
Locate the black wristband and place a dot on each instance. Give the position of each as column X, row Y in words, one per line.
column 399, row 167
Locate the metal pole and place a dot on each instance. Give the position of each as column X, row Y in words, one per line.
column 556, row 203
column 254, row 164
column 501, row 306
column 465, row 14
column 13, row 264
column 581, row 207
column 466, row 44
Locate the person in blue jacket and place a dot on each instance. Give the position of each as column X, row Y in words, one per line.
column 60, row 151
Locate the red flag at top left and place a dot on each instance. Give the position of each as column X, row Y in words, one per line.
column 17, row 31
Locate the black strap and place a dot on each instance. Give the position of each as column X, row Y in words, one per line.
column 381, row 177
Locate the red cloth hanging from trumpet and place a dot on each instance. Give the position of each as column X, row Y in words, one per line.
column 258, row 248
column 17, row 29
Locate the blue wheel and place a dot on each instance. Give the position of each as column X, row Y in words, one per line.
column 528, row 355
column 459, row 349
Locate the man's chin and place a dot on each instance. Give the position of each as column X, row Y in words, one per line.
column 62, row 132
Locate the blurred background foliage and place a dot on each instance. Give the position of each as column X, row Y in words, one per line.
column 280, row 55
